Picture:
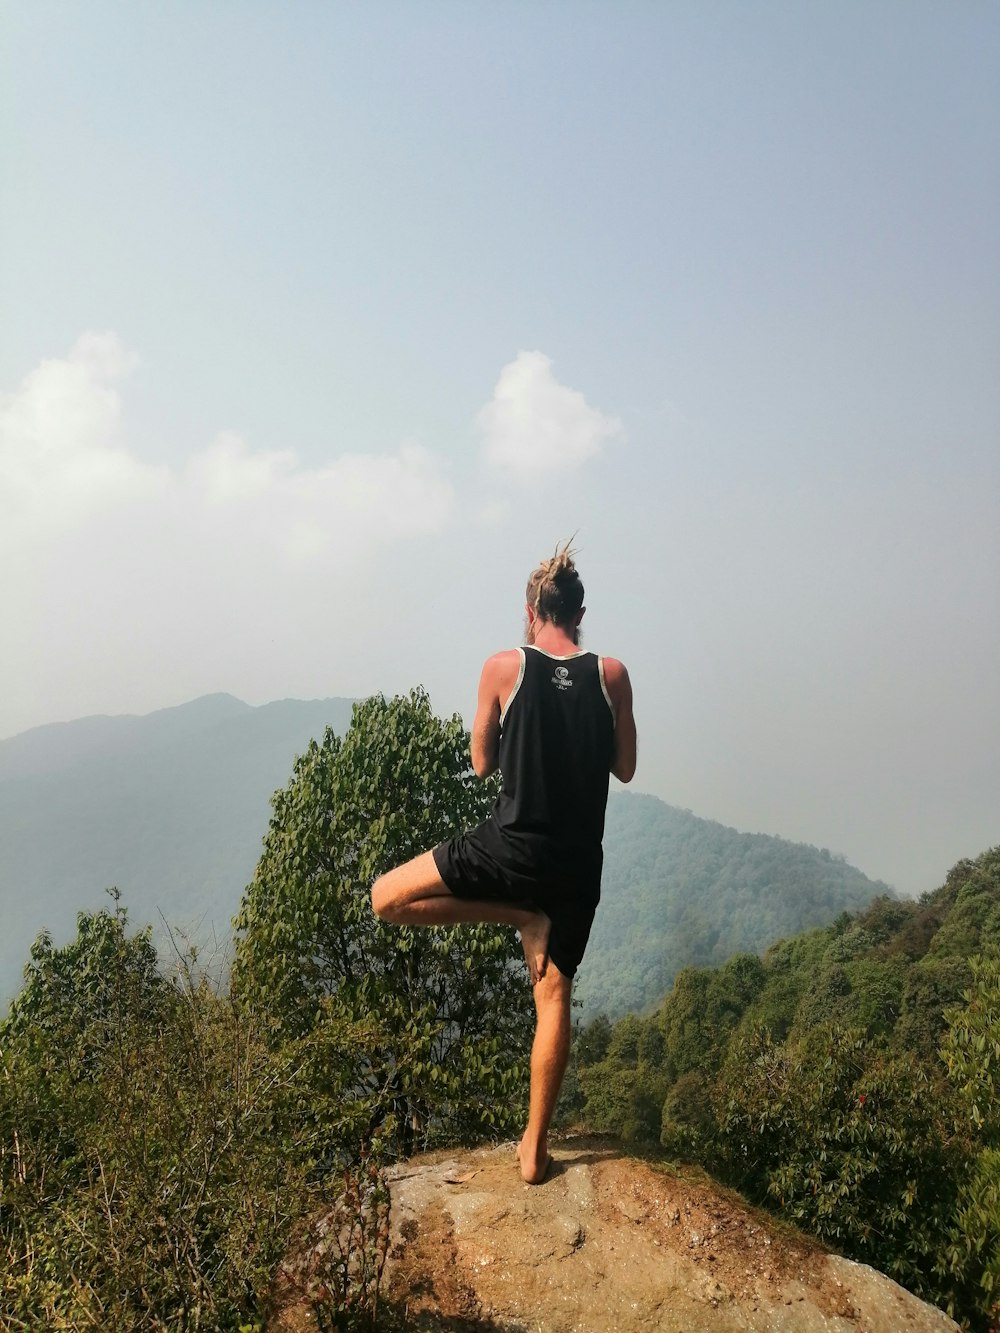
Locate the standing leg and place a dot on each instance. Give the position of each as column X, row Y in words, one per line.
column 549, row 1055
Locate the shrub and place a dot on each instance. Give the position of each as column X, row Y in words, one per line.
column 154, row 1161
column 971, row 1052
column 850, row 1143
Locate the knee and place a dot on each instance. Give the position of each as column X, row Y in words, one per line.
column 554, row 993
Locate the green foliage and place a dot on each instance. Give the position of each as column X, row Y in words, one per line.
column 624, row 1100
column 704, row 1008
column 971, row 1052
column 972, row 921
column 865, row 993
column 157, row 1148
column 681, row 1020
column 853, row 1144
column 850, row 1131
column 452, row 1004
column 82, row 992
column 789, row 969
column 624, row 1091
column 592, row 1041
column 687, row 1122
column 163, row 1147
column 930, row 986
column 972, row 1049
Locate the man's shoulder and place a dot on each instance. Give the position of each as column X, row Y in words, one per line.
column 502, row 667
column 614, row 668
column 616, row 678
column 502, row 661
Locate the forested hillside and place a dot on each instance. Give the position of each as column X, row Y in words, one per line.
column 170, row 807
column 165, row 1141
column 846, row 1079
column 681, row 891
column 166, row 1145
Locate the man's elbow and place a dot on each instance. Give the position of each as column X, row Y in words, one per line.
column 625, row 756
column 483, row 764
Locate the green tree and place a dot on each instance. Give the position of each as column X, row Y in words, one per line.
column 451, row 1005
column 971, row 1051
column 624, row 1090
column 86, row 987
column 846, row 1140
column 157, row 1149
column 591, row 1041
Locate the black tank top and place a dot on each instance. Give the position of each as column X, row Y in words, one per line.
column 556, row 747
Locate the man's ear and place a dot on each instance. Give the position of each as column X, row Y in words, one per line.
column 579, row 615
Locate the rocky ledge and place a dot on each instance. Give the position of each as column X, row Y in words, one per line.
column 608, row 1245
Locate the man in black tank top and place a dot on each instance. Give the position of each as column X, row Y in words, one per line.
column 557, row 722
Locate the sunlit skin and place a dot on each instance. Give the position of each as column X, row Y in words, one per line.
column 415, row 895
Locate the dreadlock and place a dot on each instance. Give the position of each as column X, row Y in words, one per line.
column 555, row 591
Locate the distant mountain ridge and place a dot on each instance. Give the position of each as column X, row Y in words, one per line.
column 682, row 891
column 171, row 807
column 59, row 745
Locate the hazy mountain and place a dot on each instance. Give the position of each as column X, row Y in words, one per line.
column 680, row 891
column 172, row 807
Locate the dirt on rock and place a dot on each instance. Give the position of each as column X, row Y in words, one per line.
column 608, row 1244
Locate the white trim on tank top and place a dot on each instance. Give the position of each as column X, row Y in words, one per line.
column 557, row 657
column 604, row 689
column 517, row 686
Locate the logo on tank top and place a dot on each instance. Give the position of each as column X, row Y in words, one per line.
column 561, row 679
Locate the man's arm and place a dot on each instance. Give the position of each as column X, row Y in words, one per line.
column 498, row 678
column 619, row 689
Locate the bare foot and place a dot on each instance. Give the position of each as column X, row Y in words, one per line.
column 533, row 1168
column 535, row 943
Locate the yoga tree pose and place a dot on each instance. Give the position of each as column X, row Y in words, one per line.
column 556, row 721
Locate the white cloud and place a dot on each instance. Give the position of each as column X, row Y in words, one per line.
column 61, row 456
column 126, row 584
column 534, row 426
column 228, row 472
column 306, row 515
column 64, row 463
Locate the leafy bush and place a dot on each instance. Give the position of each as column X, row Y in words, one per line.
column 853, row 1132
column 156, row 1148
column 971, row 1052
column 849, row 1142
column 164, row 1148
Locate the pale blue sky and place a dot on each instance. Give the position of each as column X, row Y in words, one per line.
column 754, row 249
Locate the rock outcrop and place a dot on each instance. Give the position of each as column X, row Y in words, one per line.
column 607, row 1243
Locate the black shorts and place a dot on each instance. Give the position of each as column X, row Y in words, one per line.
column 486, row 865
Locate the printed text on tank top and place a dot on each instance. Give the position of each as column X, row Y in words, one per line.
column 560, row 677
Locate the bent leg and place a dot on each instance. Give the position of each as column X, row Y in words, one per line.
column 397, row 895
column 549, row 1056
column 414, row 894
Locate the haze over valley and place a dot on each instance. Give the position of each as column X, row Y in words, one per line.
column 171, row 809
